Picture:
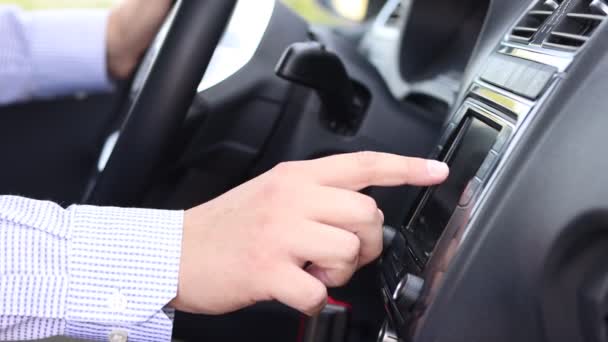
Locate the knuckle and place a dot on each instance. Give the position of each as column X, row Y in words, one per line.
column 317, row 296
column 376, row 246
column 342, row 277
column 351, row 249
column 373, row 245
column 284, row 170
column 372, row 250
column 368, row 207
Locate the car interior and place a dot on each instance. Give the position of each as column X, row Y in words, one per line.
column 510, row 93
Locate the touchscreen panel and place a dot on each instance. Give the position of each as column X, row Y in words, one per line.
column 472, row 145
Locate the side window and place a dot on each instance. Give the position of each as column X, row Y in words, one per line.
column 336, row 12
column 316, row 11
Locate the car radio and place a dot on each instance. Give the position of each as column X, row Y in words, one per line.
column 472, row 145
column 471, row 151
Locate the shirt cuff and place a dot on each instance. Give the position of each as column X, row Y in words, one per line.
column 123, row 266
column 68, row 51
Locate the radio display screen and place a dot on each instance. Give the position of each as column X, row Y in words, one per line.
column 469, row 149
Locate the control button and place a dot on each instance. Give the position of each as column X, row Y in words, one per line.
column 407, row 292
column 522, row 83
column 469, row 192
column 118, row 336
column 517, row 71
column 487, row 165
column 523, row 77
column 388, row 236
column 498, row 70
column 539, row 82
column 394, row 250
column 387, row 334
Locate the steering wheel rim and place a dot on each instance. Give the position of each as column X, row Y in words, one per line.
column 161, row 96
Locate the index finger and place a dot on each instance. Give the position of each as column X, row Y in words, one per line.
column 356, row 171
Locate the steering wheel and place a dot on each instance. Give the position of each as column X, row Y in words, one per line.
column 162, row 91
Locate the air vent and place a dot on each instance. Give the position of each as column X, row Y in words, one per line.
column 578, row 26
column 525, row 30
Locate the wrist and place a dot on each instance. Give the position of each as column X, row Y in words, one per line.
column 132, row 25
column 120, row 63
column 177, row 302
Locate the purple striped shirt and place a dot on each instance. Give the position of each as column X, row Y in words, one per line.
column 85, row 272
column 49, row 53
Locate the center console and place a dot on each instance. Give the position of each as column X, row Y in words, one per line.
column 473, row 144
column 517, row 78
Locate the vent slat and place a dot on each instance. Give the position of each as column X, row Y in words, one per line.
column 577, row 27
column 586, row 16
column 570, row 36
column 571, row 32
column 525, row 29
column 519, row 38
column 561, row 46
column 540, row 13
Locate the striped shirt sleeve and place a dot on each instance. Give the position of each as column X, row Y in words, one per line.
column 51, row 53
column 86, row 272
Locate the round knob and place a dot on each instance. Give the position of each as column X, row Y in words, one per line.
column 387, row 334
column 388, row 236
column 407, row 292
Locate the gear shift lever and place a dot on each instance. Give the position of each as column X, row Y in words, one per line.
column 311, row 65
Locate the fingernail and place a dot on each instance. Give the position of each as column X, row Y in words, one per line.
column 437, row 169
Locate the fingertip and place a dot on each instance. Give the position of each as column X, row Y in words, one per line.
column 438, row 170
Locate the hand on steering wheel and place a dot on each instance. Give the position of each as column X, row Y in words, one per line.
column 164, row 88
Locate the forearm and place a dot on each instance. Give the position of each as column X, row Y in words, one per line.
column 61, row 52
column 86, row 271
column 52, row 53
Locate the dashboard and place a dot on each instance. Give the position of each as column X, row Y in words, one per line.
column 462, row 266
column 513, row 247
column 508, row 248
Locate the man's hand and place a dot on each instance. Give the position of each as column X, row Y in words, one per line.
column 132, row 25
column 290, row 233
